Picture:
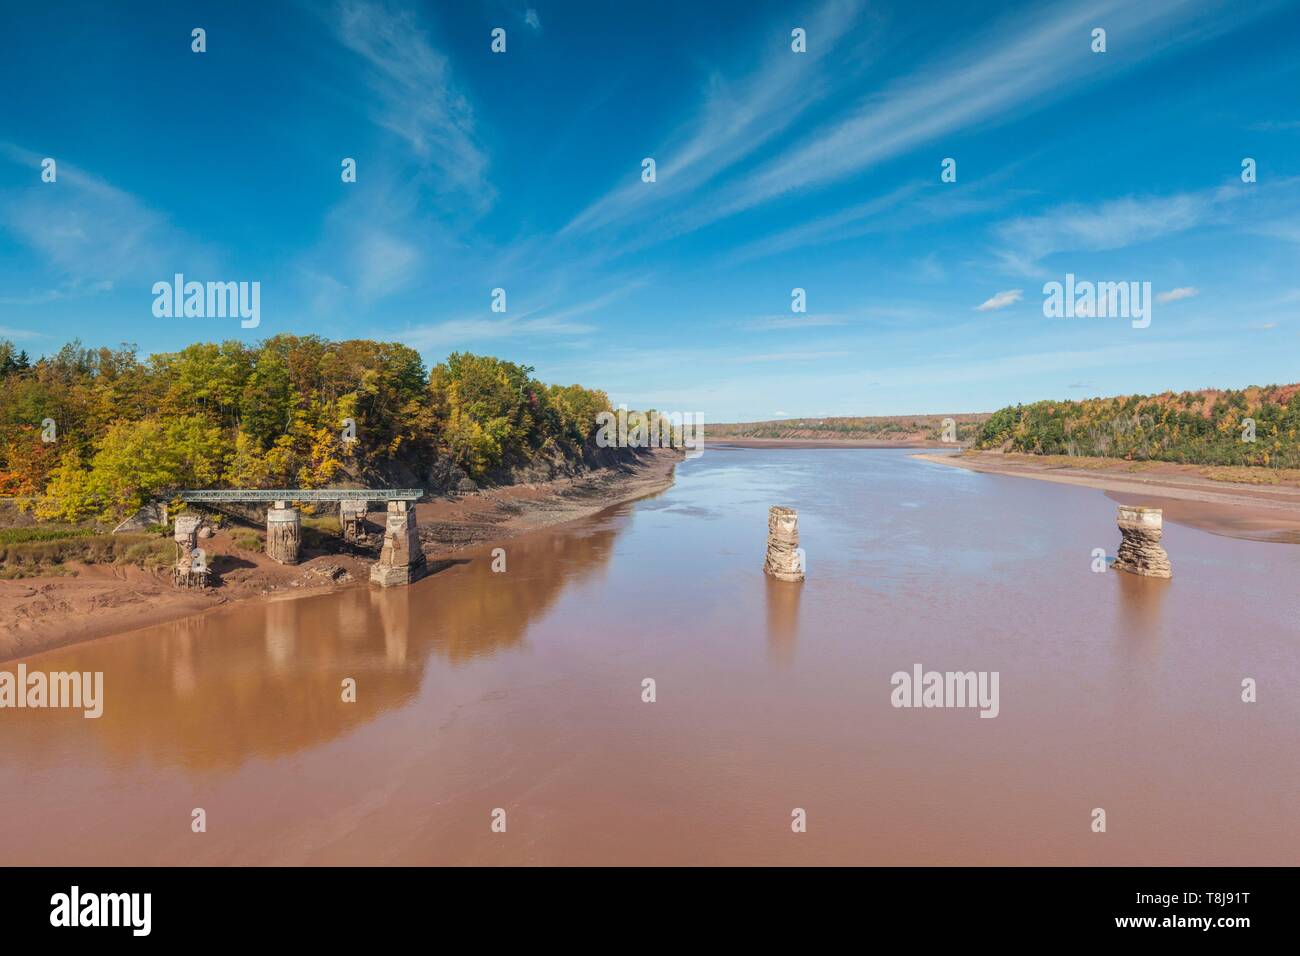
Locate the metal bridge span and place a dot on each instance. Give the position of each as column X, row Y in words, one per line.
column 302, row 495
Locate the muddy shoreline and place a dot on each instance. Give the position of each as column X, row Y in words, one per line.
column 43, row 613
column 1252, row 512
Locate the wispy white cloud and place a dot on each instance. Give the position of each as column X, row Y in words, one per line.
column 483, row 329
column 548, row 321
column 383, row 262
column 1010, row 68
column 1001, row 300
column 739, row 150
column 377, row 241
column 6, row 332
column 838, row 226
column 404, row 221
column 415, row 96
column 929, row 269
column 1288, row 230
column 1274, row 126
column 1098, row 226
column 1019, row 63
column 1263, row 209
column 858, row 387
column 91, row 234
column 1174, row 295
column 735, row 119
column 766, row 323
column 1037, row 363
column 73, row 289
column 796, row 355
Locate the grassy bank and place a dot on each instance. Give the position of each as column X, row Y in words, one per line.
column 34, row 551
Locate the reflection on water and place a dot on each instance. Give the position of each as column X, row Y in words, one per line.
column 522, row 690
column 1142, row 602
column 266, row 679
column 782, row 618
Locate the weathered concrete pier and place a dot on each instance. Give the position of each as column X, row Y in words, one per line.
column 1140, row 551
column 784, row 559
column 190, row 569
column 283, row 533
column 402, row 560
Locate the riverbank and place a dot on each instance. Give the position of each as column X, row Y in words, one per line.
column 1253, row 507
column 99, row 600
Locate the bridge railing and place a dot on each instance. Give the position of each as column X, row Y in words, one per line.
column 305, row 495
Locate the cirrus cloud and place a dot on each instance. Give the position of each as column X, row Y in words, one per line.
column 1173, row 295
column 1001, row 300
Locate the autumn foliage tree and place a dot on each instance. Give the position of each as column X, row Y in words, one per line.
column 1252, row 426
column 292, row 411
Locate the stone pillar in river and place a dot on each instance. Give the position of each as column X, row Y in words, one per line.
column 283, row 533
column 191, row 567
column 352, row 517
column 784, row 559
column 1140, row 551
column 402, row 560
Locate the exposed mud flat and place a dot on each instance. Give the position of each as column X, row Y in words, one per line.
column 1251, row 512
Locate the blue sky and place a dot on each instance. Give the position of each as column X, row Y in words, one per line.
column 775, row 170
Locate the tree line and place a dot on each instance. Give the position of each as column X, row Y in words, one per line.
column 94, row 432
column 1251, row 426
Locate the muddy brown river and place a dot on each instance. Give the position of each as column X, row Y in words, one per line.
column 522, row 691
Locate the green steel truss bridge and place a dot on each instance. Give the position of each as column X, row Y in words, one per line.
column 303, row 495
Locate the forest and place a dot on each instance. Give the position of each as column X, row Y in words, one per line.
column 1252, row 426
column 91, row 433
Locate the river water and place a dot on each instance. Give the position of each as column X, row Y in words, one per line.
column 522, row 691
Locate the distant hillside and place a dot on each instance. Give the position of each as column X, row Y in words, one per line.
column 900, row 428
column 1207, row 427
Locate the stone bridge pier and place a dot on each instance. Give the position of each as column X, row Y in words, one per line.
column 283, row 533
column 402, row 560
column 784, row 559
column 1140, row 551
column 191, row 567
